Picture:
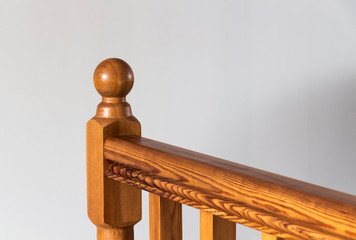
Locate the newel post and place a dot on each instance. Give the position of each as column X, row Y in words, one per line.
column 113, row 207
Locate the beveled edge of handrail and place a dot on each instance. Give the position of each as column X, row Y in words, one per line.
column 268, row 202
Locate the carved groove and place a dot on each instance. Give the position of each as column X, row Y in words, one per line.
column 255, row 198
column 236, row 212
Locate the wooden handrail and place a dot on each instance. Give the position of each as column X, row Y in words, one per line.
column 268, row 202
column 117, row 156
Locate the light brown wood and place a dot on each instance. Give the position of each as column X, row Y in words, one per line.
column 165, row 219
column 216, row 228
column 113, row 207
column 271, row 203
column 265, row 236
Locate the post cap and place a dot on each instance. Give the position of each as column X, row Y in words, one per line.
column 113, row 78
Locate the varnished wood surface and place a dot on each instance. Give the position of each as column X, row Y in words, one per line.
column 113, row 207
column 265, row 236
column 162, row 188
column 165, row 218
column 113, row 79
column 115, row 233
column 106, row 197
column 268, row 202
column 216, row 228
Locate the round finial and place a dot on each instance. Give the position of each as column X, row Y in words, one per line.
column 113, row 78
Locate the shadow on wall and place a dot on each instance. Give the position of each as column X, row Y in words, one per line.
column 309, row 133
column 332, row 133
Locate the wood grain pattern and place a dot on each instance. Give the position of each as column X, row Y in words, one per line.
column 265, row 236
column 165, row 218
column 141, row 180
column 215, row 228
column 268, row 202
column 113, row 207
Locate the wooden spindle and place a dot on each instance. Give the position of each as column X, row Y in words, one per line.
column 215, row 228
column 266, row 236
column 112, row 206
column 115, row 233
column 165, row 219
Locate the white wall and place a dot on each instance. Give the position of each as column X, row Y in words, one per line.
column 269, row 84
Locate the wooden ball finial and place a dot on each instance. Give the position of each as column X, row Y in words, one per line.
column 113, row 78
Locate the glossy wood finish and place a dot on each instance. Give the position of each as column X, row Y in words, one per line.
column 165, row 219
column 265, row 201
column 265, row 236
column 115, row 233
column 157, row 186
column 215, row 228
column 113, row 207
column 113, row 79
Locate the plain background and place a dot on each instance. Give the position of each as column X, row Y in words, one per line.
column 269, row 84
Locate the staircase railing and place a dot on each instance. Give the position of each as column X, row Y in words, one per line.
column 120, row 162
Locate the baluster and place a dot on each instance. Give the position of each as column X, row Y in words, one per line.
column 216, row 228
column 165, row 219
column 112, row 206
column 266, row 236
